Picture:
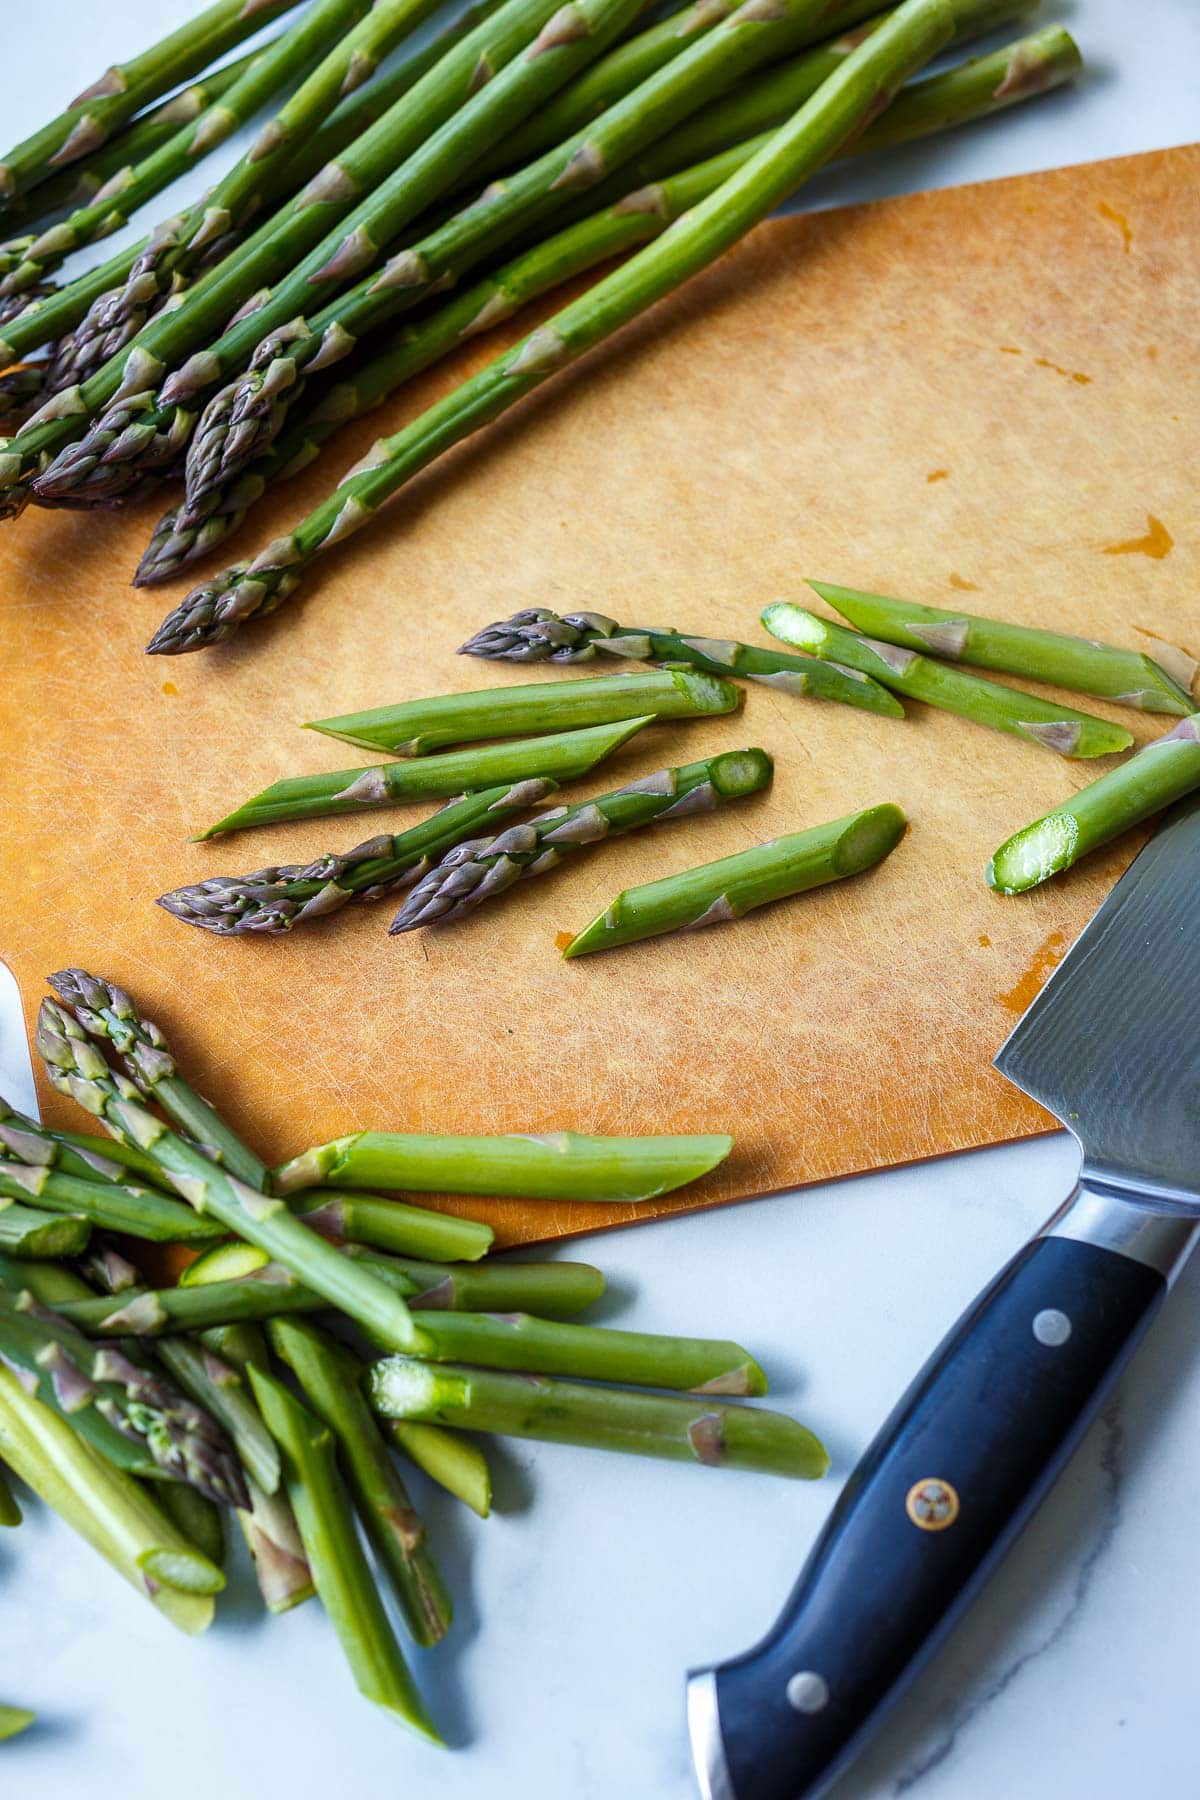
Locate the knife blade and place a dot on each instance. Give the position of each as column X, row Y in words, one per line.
column 1110, row 1048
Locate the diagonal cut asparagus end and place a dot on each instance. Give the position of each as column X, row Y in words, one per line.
column 1034, row 854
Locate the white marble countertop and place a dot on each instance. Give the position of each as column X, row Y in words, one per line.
column 598, row 1581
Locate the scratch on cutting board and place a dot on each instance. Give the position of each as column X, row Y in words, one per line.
column 1048, row 953
column 1119, row 220
column 1157, row 542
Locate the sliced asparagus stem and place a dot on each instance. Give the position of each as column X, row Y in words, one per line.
column 589, row 1353
column 220, row 1389
column 340, row 1571
column 1161, row 773
column 721, row 891
column 138, row 1212
column 76, row 1068
column 484, row 867
column 391, row 1225
column 324, row 795
column 110, row 1510
column 147, row 1312
column 107, row 1014
column 563, row 1412
column 28, row 1231
column 14, row 1720
column 560, row 1165
column 124, row 89
column 537, row 635
column 329, row 1377
column 1043, row 722
column 273, row 901
column 201, row 1523
column 10, row 1512
column 416, row 727
column 841, row 105
column 1071, row 662
column 453, row 1461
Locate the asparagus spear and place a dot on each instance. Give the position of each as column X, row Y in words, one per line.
column 111, row 1511
column 1161, row 773
column 448, row 1458
column 14, row 1720
column 484, row 867
column 138, row 1212
column 76, row 1068
column 973, row 90
column 28, row 1231
column 1043, row 722
column 325, row 795
column 566, row 1412
column 329, row 1378
column 131, row 188
column 560, row 1165
column 108, row 1014
column 125, row 88
column 538, row 635
column 70, row 1152
column 391, row 1225
column 1071, row 662
column 416, row 727
column 340, row 1570
column 274, row 900
column 220, row 1389
column 127, row 1413
column 589, row 1352
column 841, row 105
column 724, row 890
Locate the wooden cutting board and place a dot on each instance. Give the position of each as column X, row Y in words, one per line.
column 987, row 397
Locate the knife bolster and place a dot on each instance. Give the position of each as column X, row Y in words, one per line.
column 1115, row 1219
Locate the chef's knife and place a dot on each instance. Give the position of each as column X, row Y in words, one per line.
column 1111, row 1047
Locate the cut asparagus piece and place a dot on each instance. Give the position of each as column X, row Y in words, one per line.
column 273, row 1538
column 10, row 1512
column 219, row 1388
column 135, row 1211
column 202, row 1523
column 448, row 1458
column 273, row 901
column 484, row 867
column 1161, row 773
column 562, row 757
column 76, row 1068
column 564, row 1412
column 29, row 1231
column 391, row 1225
column 589, row 1353
column 558, row 1165
column 110, row 1510
column 1080, row 663
column 14, row 1720
column 1043, row 722
column 538, row 635
column 721, row 891
column 340, row 1571
column 329, row 1377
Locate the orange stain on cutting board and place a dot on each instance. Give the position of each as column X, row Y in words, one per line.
column 1047, row 956
column 563, row 940
column 938, row 475
column 962, row 584
column 1043, row 362
column 1119, row 220
column 1157, row 542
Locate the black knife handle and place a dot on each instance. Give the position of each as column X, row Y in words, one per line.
column 933, row 1505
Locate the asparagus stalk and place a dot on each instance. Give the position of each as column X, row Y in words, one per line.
column 110, row 1510
column 138, row 1212
column 560, row 1165
column 10, row 1512
column 589, row 1353
column 125, row 88
column 484, row 867
column 107, row 1014
column 1071, row 662
column 391, row 1225
column 70, row 1152
column 14, row 1720
column 840, row 106
column 538, row 635
column 448, row 1458
column 275, row 900
column 219, row 1388
column 343, row 1579
column 325, row 795
column 76, row 1068
column 1161, row 773
column 297, row 255
column 724, row 890
column 564, row 1412
column 329, row 1378
column 973, row 90
column 198, row 1519
column 416, row 727
column 131, row 1416
column 28, row 1231
column 1043, row 722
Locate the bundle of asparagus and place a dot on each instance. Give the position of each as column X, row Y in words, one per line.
column 143, row 1413
column 199, row 341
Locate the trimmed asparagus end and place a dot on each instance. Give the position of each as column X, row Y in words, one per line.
column 707, row 693
column 232, row 1261
column 311, row 1168
column 740, row 772
column 399, row 1387
column 448, row 1457
column 1031, row 856
column 14, row 1720
column 186, row 1571
column 792, row 624
column 869, row 838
